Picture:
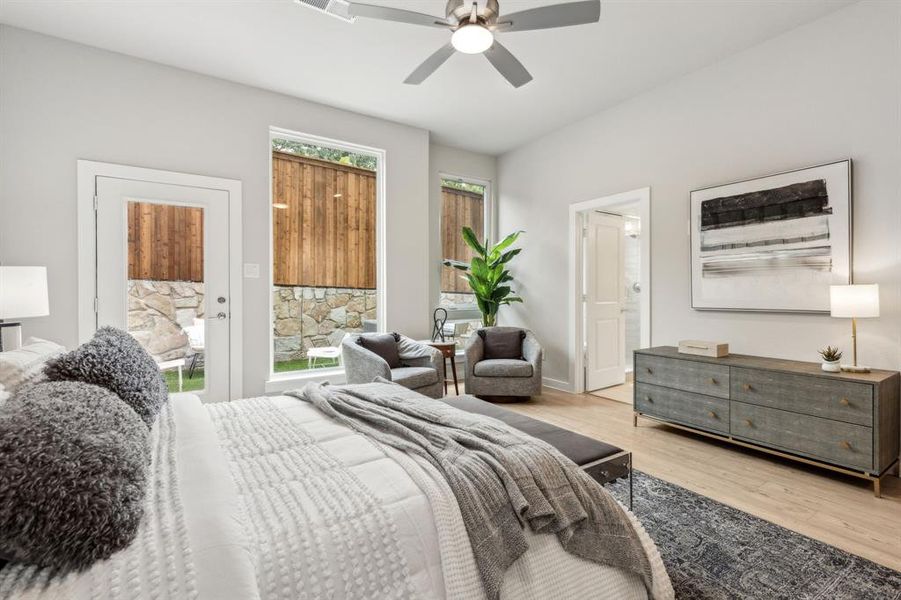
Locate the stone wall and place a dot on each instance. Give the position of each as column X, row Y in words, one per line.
column 451, row 299
column 157, row 312
column 306, row 317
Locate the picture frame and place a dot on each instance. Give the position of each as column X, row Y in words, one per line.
column 773, row 243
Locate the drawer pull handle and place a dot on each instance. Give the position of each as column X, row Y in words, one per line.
column 711, row 414
column 844, row 402
column 648, row 399
column 712, row 381
column 845, row 444
column 749, row 423
column 649, row 370
column 747, row 387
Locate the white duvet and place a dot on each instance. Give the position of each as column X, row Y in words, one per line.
column 268, row 498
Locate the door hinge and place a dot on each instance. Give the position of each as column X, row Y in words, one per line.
column 96, row 305
column 96, row 202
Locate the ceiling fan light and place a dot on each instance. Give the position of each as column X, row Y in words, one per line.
column 472, row 39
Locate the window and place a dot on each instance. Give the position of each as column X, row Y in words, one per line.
column 464, row 203
column 325, row 202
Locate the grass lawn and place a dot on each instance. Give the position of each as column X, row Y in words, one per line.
column 196, row 383
column 300, row 364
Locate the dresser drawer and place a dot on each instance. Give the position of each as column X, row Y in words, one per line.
column 839, row 443
column 686, row 375
column 705, row 412
column 817, row 396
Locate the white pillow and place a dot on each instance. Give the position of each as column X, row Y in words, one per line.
column 19, row 366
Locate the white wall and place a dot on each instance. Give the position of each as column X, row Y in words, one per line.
column 444, row 160
column 60, row 102
column 823, row 92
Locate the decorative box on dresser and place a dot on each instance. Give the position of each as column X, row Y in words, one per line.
column 847, row 422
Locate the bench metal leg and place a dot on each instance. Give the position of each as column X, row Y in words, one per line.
column 630, row 482
column 193, row 364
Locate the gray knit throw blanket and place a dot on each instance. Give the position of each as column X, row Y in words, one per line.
column 502, row 478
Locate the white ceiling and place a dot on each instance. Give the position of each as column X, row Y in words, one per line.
column 288, row 48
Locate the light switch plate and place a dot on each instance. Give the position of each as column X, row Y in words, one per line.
column 251, row 270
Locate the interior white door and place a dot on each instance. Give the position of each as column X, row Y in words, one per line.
column 163, row 275
column 604, row 283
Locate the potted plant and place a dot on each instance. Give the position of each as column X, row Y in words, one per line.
column 487, row 273
column 831, row 357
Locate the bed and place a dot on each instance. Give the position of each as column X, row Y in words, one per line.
column 270, row 498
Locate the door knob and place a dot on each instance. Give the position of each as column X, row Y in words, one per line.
column 221, row 299
column 221, row 316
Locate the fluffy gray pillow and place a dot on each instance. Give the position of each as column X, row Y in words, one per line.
column 73, row 473
column 113, row 359
column 383, row 344
column 502, row 342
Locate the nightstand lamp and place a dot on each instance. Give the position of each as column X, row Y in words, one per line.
column 854, row 302
column 23, row 295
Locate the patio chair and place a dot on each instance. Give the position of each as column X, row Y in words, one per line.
column 196, row 340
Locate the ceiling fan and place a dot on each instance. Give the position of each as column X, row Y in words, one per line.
column 474, row 30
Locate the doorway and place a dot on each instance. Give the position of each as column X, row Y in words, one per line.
column 164, row 261
column 611, row 288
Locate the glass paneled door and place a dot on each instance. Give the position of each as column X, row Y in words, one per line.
column 162, row 275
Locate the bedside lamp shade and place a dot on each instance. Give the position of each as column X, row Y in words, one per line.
column 854, row 301
column 23, row 292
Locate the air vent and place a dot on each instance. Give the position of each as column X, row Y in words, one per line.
column 335, row 8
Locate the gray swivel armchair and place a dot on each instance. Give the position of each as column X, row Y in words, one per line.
column 416, row 366
column 503, row 379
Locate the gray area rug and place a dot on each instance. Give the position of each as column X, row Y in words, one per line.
column 712, row 551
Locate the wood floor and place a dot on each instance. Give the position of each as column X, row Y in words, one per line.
column 834, row 508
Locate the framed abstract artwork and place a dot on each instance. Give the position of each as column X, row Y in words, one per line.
column 773, row 243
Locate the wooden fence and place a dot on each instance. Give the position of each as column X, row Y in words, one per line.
column 165, row 242
column 325, row 237
column 459, row 209
column 323, row 229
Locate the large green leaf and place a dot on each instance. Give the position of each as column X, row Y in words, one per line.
column 500, row 293
column 505, row 243
column 506, row 257
column 472, row 241
column 479, row 268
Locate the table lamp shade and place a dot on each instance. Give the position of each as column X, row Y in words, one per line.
column 854, row 301
column 23, row 292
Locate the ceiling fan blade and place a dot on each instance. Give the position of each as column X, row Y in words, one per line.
column 386, row 13
column 555, row 15
column 430, row 65
column 508, row 65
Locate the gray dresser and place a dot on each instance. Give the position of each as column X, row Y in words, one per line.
column 846, row 422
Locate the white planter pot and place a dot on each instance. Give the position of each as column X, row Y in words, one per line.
column 831, row 366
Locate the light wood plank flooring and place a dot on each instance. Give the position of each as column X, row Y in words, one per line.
column 830, row 507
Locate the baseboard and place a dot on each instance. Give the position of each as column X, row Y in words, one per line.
column 557, row 384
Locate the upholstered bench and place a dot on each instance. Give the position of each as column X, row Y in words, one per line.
column 603, row 462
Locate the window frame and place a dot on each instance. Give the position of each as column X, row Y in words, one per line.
column 465, row 311
column 284, row 380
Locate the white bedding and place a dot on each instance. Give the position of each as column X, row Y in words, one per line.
column 274, row 500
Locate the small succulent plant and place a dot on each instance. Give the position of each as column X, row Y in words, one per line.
column 831, row 354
